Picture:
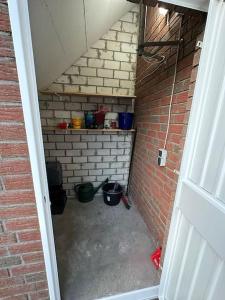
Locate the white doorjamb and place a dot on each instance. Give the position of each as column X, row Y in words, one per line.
column 20, row 24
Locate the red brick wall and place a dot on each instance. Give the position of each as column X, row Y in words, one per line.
column 22, row 269
column 153, row 187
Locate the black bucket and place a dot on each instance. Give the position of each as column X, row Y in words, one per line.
column 112, row 197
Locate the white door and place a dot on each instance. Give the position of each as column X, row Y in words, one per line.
column 194, row 265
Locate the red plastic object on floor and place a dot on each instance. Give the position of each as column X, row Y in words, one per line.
column 155, row 257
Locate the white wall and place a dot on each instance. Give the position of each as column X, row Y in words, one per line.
column 85, row 156
column 109, row 66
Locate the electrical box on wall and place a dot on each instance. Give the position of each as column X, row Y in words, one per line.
column 162, row 157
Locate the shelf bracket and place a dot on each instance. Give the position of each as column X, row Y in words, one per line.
column 160, row 44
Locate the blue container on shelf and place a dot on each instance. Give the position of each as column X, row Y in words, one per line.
column 125, row 120
column 89, row 120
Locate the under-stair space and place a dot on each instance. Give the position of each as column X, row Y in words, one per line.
column 114, row 111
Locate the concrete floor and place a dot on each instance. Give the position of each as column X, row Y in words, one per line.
column 102, row 250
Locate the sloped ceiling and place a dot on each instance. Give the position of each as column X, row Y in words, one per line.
column 63, row 30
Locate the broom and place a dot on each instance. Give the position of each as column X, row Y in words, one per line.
column 125, row 198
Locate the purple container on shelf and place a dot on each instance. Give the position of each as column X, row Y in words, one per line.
column 126, row 120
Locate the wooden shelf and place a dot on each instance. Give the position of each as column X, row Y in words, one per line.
column 87, row 95
column 85, row 129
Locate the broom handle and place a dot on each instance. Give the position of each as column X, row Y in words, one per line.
column 131, row 160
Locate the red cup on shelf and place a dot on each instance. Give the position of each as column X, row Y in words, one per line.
column 62, row 125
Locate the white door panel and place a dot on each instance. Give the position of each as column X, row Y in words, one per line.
column 198, row 286
column 194, row 265
column 217, row 290
column 206, row 217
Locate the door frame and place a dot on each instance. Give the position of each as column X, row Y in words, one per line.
column 21, row 33
column 20, row 24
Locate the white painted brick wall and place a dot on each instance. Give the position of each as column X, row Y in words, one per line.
column 107, row 68
column 89, row 106
column 93, row 145
column 92, row 53
column 88, row 138
column 79, row 146
column 117, row 151
column 109, row 158
column 117, row 26
column 121, row 56
column 88, row 89
column 110, row 35
column 109, row 145
column 73, row 70
column 72, row 138
column 121, row 74
column 106, row 54
column 90, row 155
column 71, row 88
column 115, row 46
column 103, row 138
column 104, row 90
column 95, row 172
column 70, row 153
column 63, row 79
column 77, row 79
column 129, row 27
column 86, row 71
column 62, row 114
column 114, row 65
column 111, row 82
column 124, row 37
column 105, row 73
column 102, row 165
column 64, row 145
column 99, row 44
column 112, row 57
column 130, row 48
column 88, row 166
column 81, row 173
column 94, row 159
column 82, row 62
column 88, row 152
column 103, row 151
column 127, row 66
column 81, row 159
column 72, row 106
column 109, row 172
column 128, row 17
column 94, row 62
column 95, row 81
